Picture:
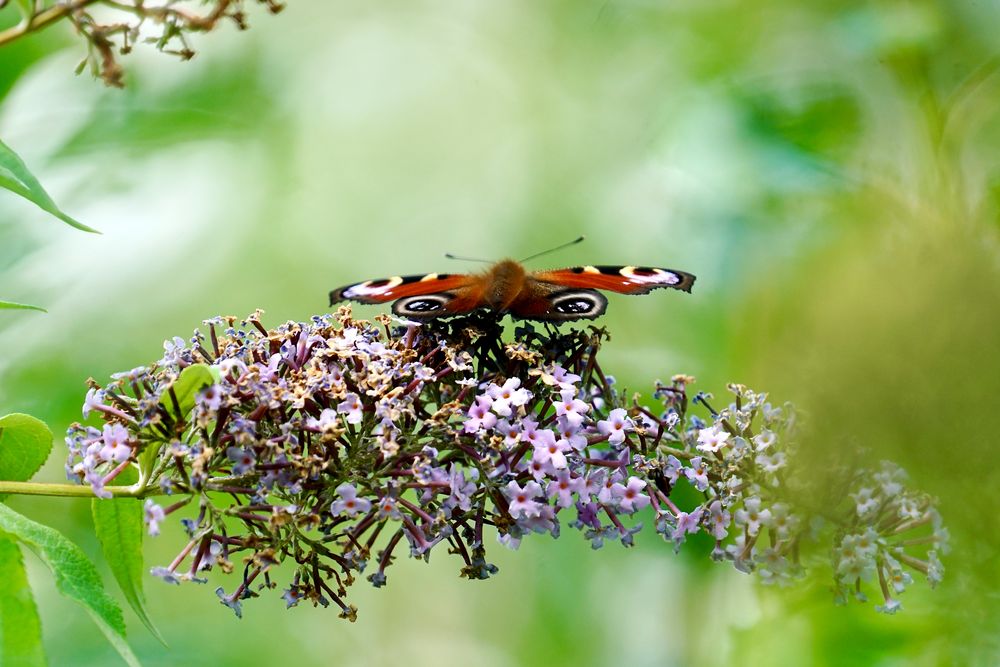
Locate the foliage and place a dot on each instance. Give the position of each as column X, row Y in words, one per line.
column 827, row 169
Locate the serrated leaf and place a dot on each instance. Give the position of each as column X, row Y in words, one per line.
column 10, row 305
column 25, row 443
column 14, row 176
column 76, row 577
column 20, row 627
column 192, row 379
column 119, row 526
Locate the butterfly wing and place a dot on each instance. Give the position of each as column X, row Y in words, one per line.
column 420, row 297
column 621, row 279
column 571, row 294
column 551, row 302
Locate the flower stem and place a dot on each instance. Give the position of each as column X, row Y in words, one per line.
column 82, row 491
column 70, row 490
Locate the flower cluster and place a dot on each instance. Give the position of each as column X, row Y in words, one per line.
column 326, row 447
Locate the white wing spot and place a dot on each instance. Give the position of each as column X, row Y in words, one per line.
column 658, row 277
column 372, row 287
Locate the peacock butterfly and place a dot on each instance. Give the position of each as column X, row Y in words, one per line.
column 507, row 288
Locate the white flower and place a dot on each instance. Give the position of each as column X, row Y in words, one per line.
column 764, row 439
column 712, row 439
column 752, row 516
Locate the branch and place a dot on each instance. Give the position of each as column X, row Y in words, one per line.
column 42, row 19
column 105, row 40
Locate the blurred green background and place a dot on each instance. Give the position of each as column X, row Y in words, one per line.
column 830, row 171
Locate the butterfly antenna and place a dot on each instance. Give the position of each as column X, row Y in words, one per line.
column 467, row 259
column 559, row 247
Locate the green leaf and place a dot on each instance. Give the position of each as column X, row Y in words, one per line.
column 119, row 526
column 20, row 627
column 192, row 379
column 10, row 305
column 76, row 577
column 14, row 176
column 25, row 443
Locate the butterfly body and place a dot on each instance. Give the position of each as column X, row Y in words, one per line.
column 507, row 288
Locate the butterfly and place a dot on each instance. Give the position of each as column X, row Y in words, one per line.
column 507, row 287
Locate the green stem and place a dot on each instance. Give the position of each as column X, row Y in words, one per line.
column 71, row 490
column 83, row 491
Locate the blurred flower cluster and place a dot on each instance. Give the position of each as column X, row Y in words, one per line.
column 319, row 451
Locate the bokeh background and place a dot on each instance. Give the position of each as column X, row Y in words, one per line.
column 830, row 171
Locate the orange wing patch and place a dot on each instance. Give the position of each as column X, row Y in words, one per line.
column 622, row 279
column 397, row 287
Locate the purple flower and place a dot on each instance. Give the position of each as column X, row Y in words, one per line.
column 462, row 490
column 172, row 351
column 593, row 483
column 230, row 602
column 351, row 406
column 349, row 502
column 570, row 408
column 511, row 432
column 538, row 437
column 392, row 416
column 686, row 523
column 166, row 574
column 96, row 481
column 571, row 433
column 552, row 451
column 587, row 515
column 244, row 460
column 673, row 469
column 522, row 503
column 479, row 417
column 752, row 516
column 292, row 596
column 630, row 496
column 388, row 509
column 564, row 486
column 210, row 398
column 228, row 367
column 607, row 492
column 153, row 515
column 328, row 422
column 269, row 372
column 93, row 401
column 891, row 606
column 558, row 376
column 540, row 466
column 377, row 349
column 508, row 396
column 116, row 447
column 718, row 520
column 697, row 474
column 545, row 522
column 615, row 426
